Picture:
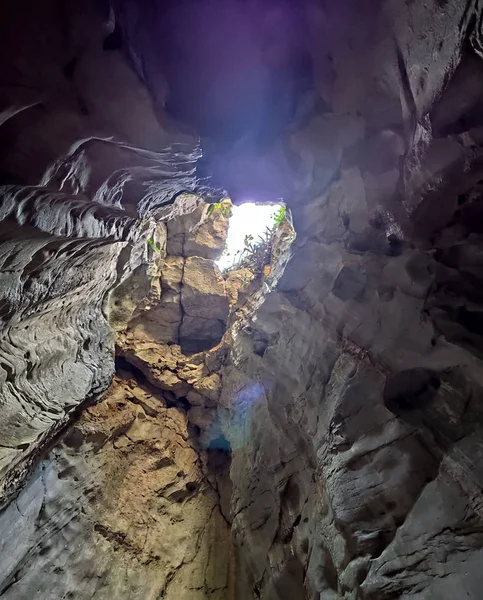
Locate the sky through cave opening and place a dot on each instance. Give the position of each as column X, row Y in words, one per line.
column 248, row 224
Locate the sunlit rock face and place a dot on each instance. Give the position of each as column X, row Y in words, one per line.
column 138, row 488
column 348, row 403
column 181, row 298
column 84, row 160
column 124, row 507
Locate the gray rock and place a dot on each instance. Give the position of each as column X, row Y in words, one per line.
column 349, row 284
column 324, row 440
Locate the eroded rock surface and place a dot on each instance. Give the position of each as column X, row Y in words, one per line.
column 84, row 162
column 349, row 403
column 121, row 508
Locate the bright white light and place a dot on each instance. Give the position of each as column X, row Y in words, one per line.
column 246, row 219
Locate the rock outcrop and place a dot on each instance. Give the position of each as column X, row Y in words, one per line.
column 176, row 306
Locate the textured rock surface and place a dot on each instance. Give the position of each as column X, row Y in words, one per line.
column 181, row 298
column 121, row 508
column 84, row 161
column 356, row 427
column 350, row 401
column 204, row 303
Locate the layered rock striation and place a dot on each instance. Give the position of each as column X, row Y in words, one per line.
column 314, row 436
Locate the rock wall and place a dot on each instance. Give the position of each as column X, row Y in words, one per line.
column 347, row 406
column 356, row 427
column 355, row 467
column 133, row 500
column 121, row 508
column 84, row 162
column 186, row 303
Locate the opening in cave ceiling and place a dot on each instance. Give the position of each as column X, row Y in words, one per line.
column 251, row 226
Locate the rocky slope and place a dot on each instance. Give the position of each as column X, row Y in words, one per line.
column 323, row 440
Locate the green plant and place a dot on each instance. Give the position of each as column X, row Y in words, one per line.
column 279, row 216
column 256, row 253
column 223, row 208
column 153, row 246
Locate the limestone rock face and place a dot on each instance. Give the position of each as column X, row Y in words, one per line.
column 84, row 162
column 121, row 508
column 205, row 305
column 181, row 298
column 351, row 398
column 57, row 346
column 199, row 233
column 324, row 439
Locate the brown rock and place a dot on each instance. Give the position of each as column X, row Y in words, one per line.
column 205, row 305
column 208, row 238
column 172, row 273
column 209, row 387
column 199, row 234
